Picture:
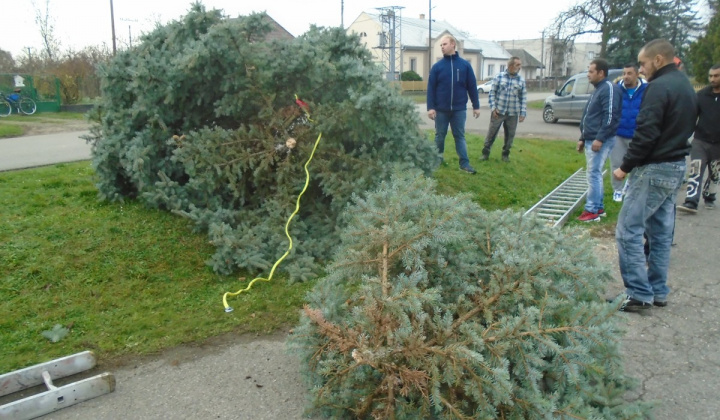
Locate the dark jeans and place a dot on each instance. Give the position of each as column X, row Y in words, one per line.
column 703, row 155
column 509, row 123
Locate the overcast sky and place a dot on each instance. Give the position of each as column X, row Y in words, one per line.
column 79, row 23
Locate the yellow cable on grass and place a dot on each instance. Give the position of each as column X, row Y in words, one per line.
column 287, row 225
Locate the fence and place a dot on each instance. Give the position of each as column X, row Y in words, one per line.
column 532, row 85
column 44, row 90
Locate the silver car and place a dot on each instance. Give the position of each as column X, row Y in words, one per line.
column 569, row 101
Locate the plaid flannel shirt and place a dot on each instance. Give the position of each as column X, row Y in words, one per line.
column 508, row 95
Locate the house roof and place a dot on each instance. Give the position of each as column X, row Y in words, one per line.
column 527, row 59
column 278, row 31
column 414, row 33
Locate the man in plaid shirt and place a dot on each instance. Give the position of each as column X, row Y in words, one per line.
column 508, row 102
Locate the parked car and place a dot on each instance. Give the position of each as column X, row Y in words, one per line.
column 568, row 102
column 485, row 87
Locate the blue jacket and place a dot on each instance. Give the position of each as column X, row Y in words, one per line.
column 602, row 112
column 630, row 108
column 451, row 80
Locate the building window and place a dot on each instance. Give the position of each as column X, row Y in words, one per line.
column 502, row 68
column 491, row 70
column 413, row 64
column 591, row 55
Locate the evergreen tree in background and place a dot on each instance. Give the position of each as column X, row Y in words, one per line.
column 201, row 119
column 435, row 308
column 683, row 27
column 705, row 51
column 641, row 22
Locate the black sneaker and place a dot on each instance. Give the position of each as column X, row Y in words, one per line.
column 660, row 303
column 629, row 304
column 485, row 157
column 506, row 159
column 469, row 169
column 688, row 207
column 709, row 204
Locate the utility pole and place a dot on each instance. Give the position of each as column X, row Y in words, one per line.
column 112, row 22
column 391, row 40
column 429, row 38
column 129, row 29
column 542, row 59
column 342, row 13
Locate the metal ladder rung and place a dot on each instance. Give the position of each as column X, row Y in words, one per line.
column 557, row 206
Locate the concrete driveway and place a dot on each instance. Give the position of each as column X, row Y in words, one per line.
column 47, row 149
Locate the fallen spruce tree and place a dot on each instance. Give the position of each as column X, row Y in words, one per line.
column 200, row 118
column 435, row 308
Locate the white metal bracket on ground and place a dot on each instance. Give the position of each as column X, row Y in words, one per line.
column 55, row 398
column 556, row 207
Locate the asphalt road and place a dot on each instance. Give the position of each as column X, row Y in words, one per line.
column 47, row 149
column 532, row 127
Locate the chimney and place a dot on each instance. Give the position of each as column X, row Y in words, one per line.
column 422, row 16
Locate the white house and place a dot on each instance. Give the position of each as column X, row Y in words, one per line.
column 400, row 44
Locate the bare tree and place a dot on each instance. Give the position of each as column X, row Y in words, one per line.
column 589, row 17
column 51, row 45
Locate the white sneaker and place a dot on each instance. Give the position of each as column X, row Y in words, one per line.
column 617, row 196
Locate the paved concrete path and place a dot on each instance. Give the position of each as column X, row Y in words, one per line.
column 47, row 149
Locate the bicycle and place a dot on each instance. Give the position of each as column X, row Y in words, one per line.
column 23, row 104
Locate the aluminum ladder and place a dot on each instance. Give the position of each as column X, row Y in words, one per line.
column 556, row 207
column 55, row 398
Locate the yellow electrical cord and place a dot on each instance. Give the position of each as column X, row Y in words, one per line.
column 287, row 225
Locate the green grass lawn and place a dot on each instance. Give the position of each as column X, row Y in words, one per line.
column 538, row 104
column 10, row 130
column 129, row 280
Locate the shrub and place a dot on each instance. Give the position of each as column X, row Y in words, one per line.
column 410, row 76
column 195, row 120
column 435, row 308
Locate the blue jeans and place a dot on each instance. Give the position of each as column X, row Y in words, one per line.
column 648, row 207
column 456, row 120
column 595, row 162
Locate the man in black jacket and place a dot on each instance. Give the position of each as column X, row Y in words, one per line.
column 655, row 161
column 705, row 148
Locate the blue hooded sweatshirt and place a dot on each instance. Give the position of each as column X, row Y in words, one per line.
column 451, row 80
column 630, row 108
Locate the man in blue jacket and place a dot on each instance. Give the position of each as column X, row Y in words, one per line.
column 597, row 127
column 632, row 88
column 451, row 81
